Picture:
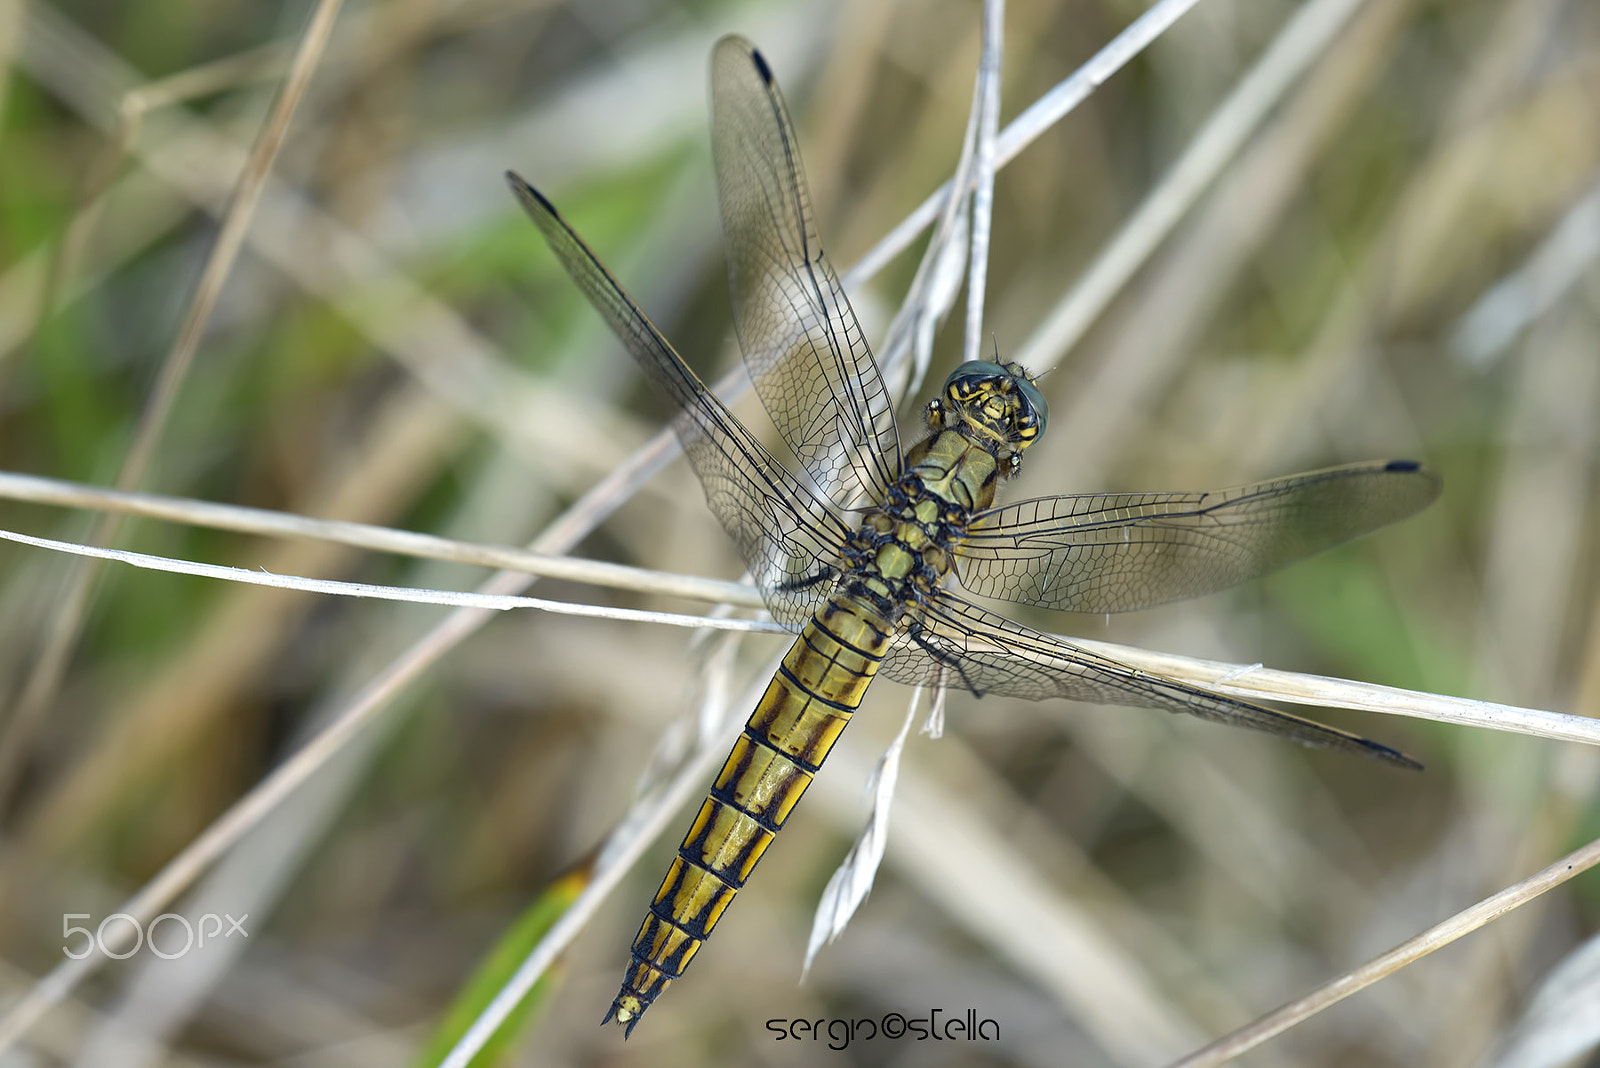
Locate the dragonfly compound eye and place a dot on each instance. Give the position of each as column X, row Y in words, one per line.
column 1034, row 400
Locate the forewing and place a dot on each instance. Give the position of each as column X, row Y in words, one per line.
column 807, row 357
column 1115, row 552
column 789, row 538
column 958, row 645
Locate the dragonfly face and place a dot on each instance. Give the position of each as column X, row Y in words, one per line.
column 996, row 403
column 864, row 586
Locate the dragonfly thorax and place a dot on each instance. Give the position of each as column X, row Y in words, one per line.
column 901, row 551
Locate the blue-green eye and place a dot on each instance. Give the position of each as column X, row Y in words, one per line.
column 976, row 370
column 1036, row 401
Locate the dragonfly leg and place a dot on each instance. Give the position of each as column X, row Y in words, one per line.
column 827, row 574
column 944, row 659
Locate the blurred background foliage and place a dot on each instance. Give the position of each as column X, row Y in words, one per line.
column 1400, row 262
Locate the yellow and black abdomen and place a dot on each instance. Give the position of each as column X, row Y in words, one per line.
column 817, row 689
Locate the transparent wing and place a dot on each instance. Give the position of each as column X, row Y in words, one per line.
column 807, row 357
column 789, row 538
column 958, row 645
column 1114, row 552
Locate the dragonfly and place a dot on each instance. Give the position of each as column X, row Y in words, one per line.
column 862, row 548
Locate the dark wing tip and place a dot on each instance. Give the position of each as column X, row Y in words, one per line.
column 1393, row 756
column 525, row 192
column 1425, row 476
column 761, row 66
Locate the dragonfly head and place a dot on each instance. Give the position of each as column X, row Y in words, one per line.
column 998, row 405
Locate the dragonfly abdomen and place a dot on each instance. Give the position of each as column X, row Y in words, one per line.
column 816, row 690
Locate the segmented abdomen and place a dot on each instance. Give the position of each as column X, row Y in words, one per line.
column 817, row 688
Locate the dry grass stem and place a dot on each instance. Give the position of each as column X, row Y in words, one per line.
column 1559, row 263
column 986, row 105
column 1261, row 683
column 852, row 880
column 1022, row 131
column 1409, row 952
column 1306, row 37
column 407, row 594
column 217, row 516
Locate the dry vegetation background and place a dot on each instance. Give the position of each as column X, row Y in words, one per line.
column 1400, row 261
